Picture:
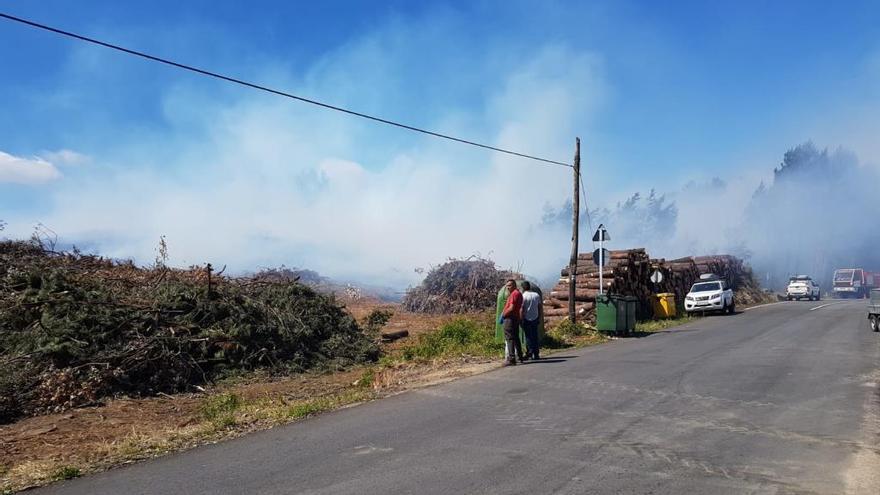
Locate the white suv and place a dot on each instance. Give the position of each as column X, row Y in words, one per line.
column 710, row 294
column 802, row 286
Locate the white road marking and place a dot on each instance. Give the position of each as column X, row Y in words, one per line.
column 765, row 305
column 825, row 305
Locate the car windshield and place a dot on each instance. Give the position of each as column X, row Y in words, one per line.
column 706, row 287
column 843, row 276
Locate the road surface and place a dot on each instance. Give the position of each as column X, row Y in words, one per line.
column 777, row 399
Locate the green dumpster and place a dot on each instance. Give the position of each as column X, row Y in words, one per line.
column 606, row 314
column 616, row 314
column 631, row 304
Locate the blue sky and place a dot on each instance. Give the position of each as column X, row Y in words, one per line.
column 111, row 152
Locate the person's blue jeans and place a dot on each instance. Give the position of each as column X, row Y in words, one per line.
column 530, row 328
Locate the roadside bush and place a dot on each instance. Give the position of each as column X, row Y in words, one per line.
column 377, row 319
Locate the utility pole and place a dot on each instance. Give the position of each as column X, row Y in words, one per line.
column 576, row 209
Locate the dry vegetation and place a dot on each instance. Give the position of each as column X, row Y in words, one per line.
column 458, row 286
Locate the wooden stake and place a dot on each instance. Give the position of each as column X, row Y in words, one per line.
column 209, row 268
column 575, row 207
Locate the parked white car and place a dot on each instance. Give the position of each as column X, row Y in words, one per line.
column 710, row 294
column 802, row 287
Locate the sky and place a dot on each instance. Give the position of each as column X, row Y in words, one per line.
column 111, row 152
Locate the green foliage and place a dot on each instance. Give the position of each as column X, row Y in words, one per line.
column 66, row 473
column 81, row 328
column 218, row 406
column 650, row 326
column 377, row 319
column 566, row 330
column 309, row 408
column 460, row 336
column 551, row 340
column 367, row 379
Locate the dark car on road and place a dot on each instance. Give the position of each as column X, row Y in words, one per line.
column 874, row 310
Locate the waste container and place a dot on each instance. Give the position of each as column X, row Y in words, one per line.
column 606, row 314
column 616, row 314
column 664, row 305
column 628, row 306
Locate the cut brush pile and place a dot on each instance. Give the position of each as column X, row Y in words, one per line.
column 458, row 286
column 75, row 329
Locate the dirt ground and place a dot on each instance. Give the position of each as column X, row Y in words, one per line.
column 37, row 450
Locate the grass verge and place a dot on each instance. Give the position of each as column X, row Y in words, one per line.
column 567, row 334
column 459, row 337
column 654, row 326
column 220, row 416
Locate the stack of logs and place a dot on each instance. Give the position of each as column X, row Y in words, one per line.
column 628, row 273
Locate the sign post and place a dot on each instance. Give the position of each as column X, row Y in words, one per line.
column 656, row 279
column 601, row 236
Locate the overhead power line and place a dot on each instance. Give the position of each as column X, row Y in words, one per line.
column 586, row 206
column 274, row 91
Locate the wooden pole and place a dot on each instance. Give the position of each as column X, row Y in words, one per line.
column 575, row 207
column 209, row 268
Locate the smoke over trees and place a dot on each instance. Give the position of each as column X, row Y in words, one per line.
column 641, row 220
column 638, row 221
column 819, row 213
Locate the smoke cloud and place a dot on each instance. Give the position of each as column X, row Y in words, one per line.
column 815, row 213
column 257, row 182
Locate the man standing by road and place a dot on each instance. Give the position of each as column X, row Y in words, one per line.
column 510, row 317
column 531, row 308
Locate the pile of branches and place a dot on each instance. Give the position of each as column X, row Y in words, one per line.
column 283, row 273
column 76, row 329
column 458, row 286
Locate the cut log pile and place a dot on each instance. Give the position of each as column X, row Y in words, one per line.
column 628, row 273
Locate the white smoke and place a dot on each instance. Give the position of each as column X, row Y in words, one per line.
column 264, row 182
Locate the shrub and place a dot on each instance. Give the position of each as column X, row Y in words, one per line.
column 377, row 319
column 66, row 473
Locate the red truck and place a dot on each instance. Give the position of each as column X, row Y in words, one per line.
column 854, row 282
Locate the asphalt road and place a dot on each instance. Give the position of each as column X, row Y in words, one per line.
column 778, row 399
